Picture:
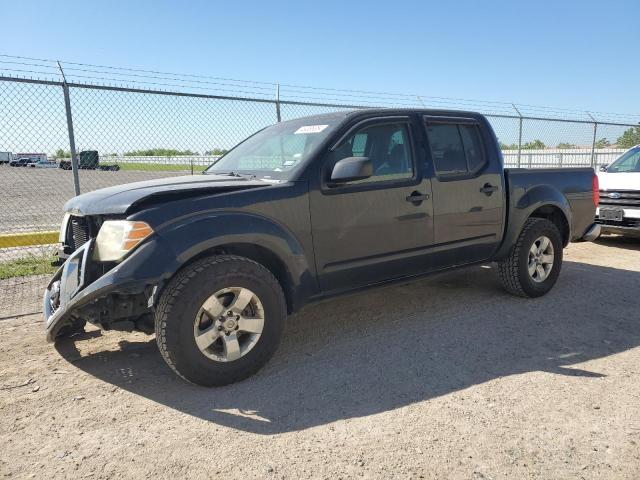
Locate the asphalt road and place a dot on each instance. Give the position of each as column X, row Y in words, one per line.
column 447, row 377
column 33, row 199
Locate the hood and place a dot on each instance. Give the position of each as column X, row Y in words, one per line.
column 619, row 181
column 121, row 198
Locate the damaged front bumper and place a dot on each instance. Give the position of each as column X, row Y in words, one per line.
column 63, row 287
column 76, row 286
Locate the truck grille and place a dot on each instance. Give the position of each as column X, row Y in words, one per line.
column 620, row 198
column 77, row 233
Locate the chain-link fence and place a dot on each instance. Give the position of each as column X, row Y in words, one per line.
column 59, row 138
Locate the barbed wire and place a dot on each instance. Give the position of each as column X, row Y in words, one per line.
column 23, row 66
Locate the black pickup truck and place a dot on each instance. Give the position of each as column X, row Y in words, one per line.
column 300, row 211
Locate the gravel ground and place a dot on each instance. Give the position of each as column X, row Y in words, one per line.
column 447, row 377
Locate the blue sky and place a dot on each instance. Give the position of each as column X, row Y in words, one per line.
column 570, row 54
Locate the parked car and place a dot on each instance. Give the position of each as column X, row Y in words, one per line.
column 619, row 210
column 44, row 164
column 20, row 162
column 301, row 211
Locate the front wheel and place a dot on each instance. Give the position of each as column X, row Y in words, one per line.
column 220, row 320
column 534, row 262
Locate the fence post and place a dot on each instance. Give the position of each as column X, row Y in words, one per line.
column 278, row 117
column 72, row 139
column 519, row 133
column 593, row 144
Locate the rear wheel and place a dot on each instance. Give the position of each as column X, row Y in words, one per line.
column 534, row 263
column 220, row 320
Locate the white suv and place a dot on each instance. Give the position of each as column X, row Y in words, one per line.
column 619, row 209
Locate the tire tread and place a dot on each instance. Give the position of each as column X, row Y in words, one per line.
column 173, row 291
column 508, row 267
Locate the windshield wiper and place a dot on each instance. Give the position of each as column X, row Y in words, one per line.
column 230, row 174
column 233, row 174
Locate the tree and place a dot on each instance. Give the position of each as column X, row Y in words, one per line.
column 216, row 151
column 504, row 146
column 60, row 153
column 630, row 138
column 535, row 145
column 603, row 143
column 565, row 146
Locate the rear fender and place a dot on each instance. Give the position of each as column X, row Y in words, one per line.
column 521, row 208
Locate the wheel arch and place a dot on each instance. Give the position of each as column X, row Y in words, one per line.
column 259, row 254
column 250, row 236
column 543, row 201
column 556, row 216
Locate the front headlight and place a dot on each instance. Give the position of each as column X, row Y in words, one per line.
column 116, row 238
column 63, row 228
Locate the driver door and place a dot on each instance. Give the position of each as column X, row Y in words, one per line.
column 379, row 228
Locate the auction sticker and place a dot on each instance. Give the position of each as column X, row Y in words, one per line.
column 310, row 129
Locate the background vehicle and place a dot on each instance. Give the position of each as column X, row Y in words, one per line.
column 33, row 155
column 43, row 164
column 20, row 162
column 88, row 160
column 304, row 210
column 619, row 210
column 5, row 157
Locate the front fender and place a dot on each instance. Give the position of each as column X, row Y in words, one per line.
column 521, row 208
column 192, row 237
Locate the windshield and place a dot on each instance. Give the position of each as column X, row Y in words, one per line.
column 278, row 151
column 629, row 162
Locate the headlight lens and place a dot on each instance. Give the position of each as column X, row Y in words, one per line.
column 63, row 228
column 116, row 238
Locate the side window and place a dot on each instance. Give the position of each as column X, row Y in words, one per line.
column 446, row 149
column 388, row 146
column 359, row 144
column 473, row 147
column 456, row 149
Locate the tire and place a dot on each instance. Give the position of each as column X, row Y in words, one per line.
column 180, row 312
column 514, row 271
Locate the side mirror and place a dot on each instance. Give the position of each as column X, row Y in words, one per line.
column 603, row 168
column 350, row 169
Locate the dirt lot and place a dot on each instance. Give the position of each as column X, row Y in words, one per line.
column 447, row 377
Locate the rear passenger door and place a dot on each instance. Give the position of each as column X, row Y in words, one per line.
column 467, row 188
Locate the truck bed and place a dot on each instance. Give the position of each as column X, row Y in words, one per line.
column 570, row 188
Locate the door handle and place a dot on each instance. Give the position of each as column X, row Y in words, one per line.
column 488, row 189
column 417, row 197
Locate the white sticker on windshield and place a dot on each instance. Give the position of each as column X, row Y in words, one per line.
column 310, row 129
